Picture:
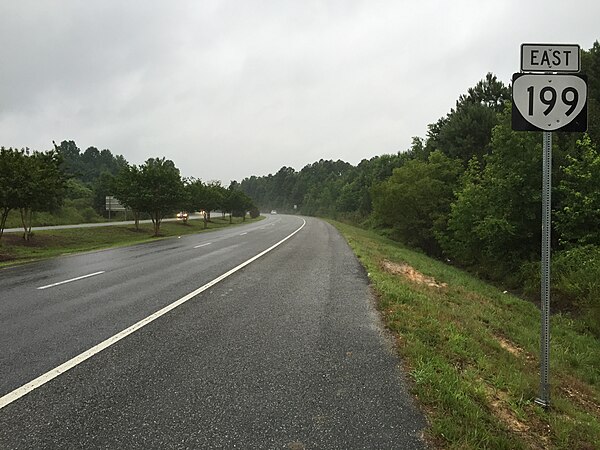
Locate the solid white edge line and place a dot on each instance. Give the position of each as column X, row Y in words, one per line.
column 51, row 374
column 202, row 245
column 72, row 279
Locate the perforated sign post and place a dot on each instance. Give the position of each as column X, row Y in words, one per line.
column 555, row 99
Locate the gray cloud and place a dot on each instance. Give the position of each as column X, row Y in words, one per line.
column 227, row 89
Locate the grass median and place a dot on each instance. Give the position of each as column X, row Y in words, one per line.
column 50, row 243
column 472, row 352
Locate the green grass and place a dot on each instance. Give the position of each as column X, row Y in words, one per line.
column 67, row 215
column 50, row 243
column 473, row 355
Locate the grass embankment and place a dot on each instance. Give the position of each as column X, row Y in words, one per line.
column 473, row 355
column 46, row 244
column 67, row 215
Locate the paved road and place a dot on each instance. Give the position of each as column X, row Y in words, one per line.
column 285, row 353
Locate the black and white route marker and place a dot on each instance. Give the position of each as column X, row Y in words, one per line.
column 548, row 95
column 549, row 102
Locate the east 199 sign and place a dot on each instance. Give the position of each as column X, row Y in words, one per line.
column 554, row 102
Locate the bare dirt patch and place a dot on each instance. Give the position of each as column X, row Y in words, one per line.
column 410, row 273
column 581, row 395
column 513, row 348
column 510, row 347
column 534, row 433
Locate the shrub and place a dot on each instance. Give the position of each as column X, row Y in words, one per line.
column 575, row 283
column 254, row 212
column 578, row 274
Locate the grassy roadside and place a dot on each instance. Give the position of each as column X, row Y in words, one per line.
column 46, row 244
column 472, row 352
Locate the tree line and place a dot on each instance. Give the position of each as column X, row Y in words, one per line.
column 33, row 182
column 470, row 192
column 157, row 188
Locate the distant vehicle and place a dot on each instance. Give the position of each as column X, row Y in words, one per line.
column 182, row 215
column 273, row 212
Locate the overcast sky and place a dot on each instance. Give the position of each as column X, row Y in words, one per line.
column 229, row 89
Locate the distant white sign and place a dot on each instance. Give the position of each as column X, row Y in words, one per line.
column 550, row 58
column 112, row 204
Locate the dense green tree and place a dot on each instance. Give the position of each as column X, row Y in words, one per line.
column 215, row 195
column 494, row 224
column 93, row 167
column 415, row 200
column 489, row 92
column 42, row 185
column 70, row 154
column 466, row 130
column 155, row 187
column 254, row 212
column 590, row 65
column 162, row 190
column 564, row 145
column 89, row 165
column 128, row 189
column 13, row 174
column 204, row 197
column 236, row 203
column 578, row 220
column 245, row 205
column 350, row 197
column 418, row 150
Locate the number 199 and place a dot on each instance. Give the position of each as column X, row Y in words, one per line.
column 548, row 97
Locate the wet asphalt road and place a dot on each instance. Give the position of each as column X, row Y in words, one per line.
column 286, row 353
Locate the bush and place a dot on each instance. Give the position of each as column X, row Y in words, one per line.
column 575, row 283
column 577, row 274
column 415, row 201
column 89, row 214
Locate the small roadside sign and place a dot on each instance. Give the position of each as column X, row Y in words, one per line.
column 550, row 58
column 112, row 204
column 549, row 102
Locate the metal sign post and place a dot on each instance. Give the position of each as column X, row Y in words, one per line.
column 544, row 398
column 554, row 99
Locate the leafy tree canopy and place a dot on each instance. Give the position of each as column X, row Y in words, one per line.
column 155, row 187
column 415, row 200
column 466, row 130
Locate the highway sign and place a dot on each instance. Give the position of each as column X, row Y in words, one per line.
column 112, row 204
column 549, row 102
column 550, row 58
